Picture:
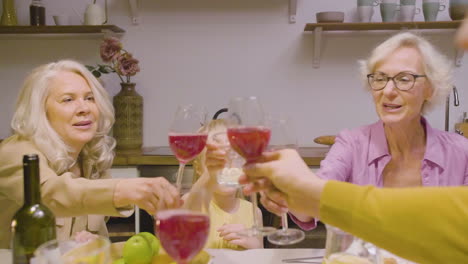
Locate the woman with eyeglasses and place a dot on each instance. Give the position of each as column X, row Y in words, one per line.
column 407, row 78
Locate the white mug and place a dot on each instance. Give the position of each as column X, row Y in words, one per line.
column 365, row 13
column 407, row 13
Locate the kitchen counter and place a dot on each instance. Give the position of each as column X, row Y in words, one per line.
column 163, row 156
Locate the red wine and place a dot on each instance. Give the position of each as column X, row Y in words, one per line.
column 249, row 142
column 34, row 223
column 182, row 233
column 187, row 146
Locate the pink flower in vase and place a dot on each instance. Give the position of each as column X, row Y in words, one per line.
column 127, row 65
column 110, row 49
column 117, row 60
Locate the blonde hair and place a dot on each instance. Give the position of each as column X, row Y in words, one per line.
column 437, row 67
column 30, row 119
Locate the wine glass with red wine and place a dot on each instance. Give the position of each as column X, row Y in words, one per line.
column 185, row 139
column 183, row 232
column 249, row 135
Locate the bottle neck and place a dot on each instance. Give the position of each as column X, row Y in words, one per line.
column 36, row 2
column 32, row 191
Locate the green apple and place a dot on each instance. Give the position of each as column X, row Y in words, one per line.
column 137, row 251
column 152, row 240
column 119, row 261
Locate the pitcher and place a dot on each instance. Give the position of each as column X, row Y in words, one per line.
column 95, row 14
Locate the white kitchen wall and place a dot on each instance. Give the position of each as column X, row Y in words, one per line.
column 205, row 51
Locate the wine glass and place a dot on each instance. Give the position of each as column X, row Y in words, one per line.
column 185, row 138
column 232, row 170
column 183, row 232
column 248, row 135
column 283, row 136
column 94, row 251
column 342, row 247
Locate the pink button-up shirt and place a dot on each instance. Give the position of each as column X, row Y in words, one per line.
column 360, row 155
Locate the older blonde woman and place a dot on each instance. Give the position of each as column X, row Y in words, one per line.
column 64, row 115
column 407, row 78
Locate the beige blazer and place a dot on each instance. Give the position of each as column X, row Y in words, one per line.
column 79, row 203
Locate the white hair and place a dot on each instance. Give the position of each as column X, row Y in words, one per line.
column 30, row 119
column 437, row 67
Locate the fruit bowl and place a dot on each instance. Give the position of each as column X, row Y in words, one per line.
column 330, row 17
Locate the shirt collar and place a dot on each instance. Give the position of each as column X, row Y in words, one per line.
column 378, row 146
column 434, row 150
column 378, row 142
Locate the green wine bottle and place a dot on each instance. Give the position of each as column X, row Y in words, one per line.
column 34, row 223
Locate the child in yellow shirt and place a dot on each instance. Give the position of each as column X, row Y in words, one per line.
column 228, row 213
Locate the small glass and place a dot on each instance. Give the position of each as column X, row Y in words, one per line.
column 344, row 248
column 95, row 251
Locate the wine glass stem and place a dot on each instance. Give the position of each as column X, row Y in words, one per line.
column 284, row 221
column 253, row 198
column 180, row 174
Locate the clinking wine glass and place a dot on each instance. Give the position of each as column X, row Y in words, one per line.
column 184, row 232
column 283, row 136
column 185, row 138
column 248, row 135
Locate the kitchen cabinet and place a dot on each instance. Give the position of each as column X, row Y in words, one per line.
column 319, row 29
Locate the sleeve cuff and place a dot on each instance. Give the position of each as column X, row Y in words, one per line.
column 304, row 225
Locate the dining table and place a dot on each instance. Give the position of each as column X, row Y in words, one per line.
column 251, row 256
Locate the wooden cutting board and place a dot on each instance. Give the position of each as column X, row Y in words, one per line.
column 325, row 140
column 463, row 127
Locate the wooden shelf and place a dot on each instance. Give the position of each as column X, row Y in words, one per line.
column 319, row 28
column 76, row 29
column 383, row 26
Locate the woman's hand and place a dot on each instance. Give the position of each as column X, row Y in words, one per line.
column 150, row 194
column 229, row 232
column 286, row 181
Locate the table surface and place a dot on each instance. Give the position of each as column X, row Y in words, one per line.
column 265, row 256
column 226, row 256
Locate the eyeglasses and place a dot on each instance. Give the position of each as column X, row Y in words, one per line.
column 403, row 81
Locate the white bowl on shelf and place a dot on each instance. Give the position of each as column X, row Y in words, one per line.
column 330, row 17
